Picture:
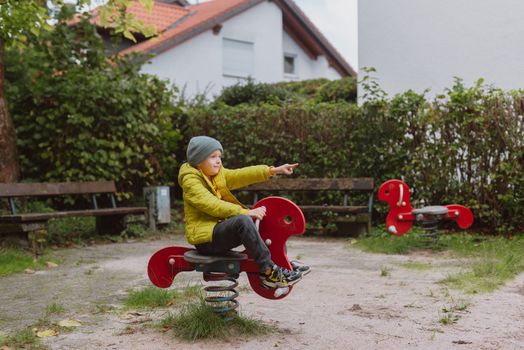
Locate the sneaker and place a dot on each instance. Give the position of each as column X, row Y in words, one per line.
column 298, row 266
column 279, row 277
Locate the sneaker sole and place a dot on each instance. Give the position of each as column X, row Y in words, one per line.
column 279, row 284
column 304, row 272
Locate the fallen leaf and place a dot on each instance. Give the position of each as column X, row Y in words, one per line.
column 29, row 271
column 136, row 313
column 51, row 264
column 47, row 333
column 353, row 241
column 69, row 323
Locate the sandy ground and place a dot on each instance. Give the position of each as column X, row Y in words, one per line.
column 351, row 300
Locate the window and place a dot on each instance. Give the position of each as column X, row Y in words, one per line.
column 238, row 58
column 289, row 64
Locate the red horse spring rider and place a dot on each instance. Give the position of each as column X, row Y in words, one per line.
column 401, row 215
column 283, row 219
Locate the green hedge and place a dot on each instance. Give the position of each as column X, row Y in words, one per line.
column 464, row 147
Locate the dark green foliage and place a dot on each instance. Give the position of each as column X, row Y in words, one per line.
column 253, row 93
column 81, row 117
column 466, row 147
column 305, row 88
column 338, row 90
column 319, row 90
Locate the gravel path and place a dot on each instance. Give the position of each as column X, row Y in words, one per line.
column 351, row 300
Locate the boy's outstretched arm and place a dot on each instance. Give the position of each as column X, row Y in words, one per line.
column 238, row 178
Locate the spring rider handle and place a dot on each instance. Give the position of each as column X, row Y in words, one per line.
column 283, row 219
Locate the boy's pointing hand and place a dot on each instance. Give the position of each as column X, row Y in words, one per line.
column 286, row 169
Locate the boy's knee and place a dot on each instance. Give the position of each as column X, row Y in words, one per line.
column 245, row 221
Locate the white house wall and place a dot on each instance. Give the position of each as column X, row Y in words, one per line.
column 420, row 44
column 196, row 65
column 306, row 67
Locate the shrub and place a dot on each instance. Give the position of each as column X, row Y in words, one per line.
column 464, row 147
column 252, row 93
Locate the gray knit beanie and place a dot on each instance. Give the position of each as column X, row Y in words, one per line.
column 200, row 147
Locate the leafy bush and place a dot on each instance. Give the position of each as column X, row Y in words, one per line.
column 252, row 93
column 338, row 90
column 319, row 90
column 465, row 147
column 82, row 117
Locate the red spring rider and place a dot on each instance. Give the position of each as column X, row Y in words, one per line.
column 283, row 219
column 401, row 215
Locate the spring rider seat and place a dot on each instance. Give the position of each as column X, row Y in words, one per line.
column 401, row 215
column 283, row 219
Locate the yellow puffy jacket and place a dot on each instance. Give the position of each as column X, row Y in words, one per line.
column 203, row 207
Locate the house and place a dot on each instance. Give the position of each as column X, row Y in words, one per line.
column 423, row 45
column 204, row 47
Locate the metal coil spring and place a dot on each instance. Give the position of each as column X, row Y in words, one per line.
column 430, row 227
column 222, row 297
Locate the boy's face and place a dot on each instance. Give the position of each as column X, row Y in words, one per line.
column 212, row 164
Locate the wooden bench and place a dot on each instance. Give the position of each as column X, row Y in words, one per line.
column 108, row 220
column 347, row 213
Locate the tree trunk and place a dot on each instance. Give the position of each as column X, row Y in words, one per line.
column 9, row 170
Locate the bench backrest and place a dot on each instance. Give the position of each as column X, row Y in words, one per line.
column 11, row 190
column 341, row 184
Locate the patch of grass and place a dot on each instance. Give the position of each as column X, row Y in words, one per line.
column 152, row 297
column 414, row 265
column 100, row 308
column 198, row 321
column 54, row 309
column 495, row 260
column 43, row 322
column 13, row 261
column 459, row 305
column 449, row 318
column 385, row 271
column 25, row 339
column 492, row 260
column 450, row 311
column 380, row 241
column 71, row 229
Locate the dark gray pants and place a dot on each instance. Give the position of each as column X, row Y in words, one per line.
column 233, row 232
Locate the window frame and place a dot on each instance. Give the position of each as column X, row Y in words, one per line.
column 237, row 74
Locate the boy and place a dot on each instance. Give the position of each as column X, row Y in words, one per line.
column 215, row 220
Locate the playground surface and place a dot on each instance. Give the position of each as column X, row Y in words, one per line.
column 351, row 300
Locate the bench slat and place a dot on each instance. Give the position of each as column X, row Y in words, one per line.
column 53, row 189
column 334, row 208
column 34, row 217
column 358, row 184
